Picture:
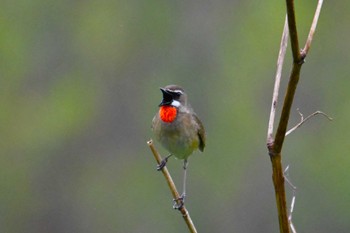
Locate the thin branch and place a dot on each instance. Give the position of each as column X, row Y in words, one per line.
column 172, row 187
column 293, row 31
column 292, row 228
column 294, row 188
column 280, row 61
column 280, row 193
column 287, row 104
column 286, row 175
column 312, row 29
column 302, row 120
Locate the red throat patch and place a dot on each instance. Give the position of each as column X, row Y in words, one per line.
column 167, row 113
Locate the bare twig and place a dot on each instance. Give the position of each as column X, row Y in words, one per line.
column 312, row 29
column 172, row 187
column 302, row 120
column 286, row 175
column 293, row 31
column 292, row 228
column 290, row 216
column 280, row 61
column 287, row 104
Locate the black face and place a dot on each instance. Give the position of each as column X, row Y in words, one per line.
column 169, row 96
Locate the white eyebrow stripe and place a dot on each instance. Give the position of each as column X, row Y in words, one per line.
column 176, row 91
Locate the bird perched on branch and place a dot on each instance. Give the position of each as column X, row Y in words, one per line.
column 178, row 129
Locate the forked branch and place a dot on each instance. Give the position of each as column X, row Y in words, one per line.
column 275, row 143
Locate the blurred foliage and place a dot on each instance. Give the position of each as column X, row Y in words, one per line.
column 79, row 87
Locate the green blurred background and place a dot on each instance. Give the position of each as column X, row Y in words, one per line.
column 79, row 87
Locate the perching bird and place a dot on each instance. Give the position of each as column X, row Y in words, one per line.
column 178, row 129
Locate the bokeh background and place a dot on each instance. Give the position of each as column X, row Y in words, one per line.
column 79, row 87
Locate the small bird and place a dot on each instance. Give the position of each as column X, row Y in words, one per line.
column 178, row 129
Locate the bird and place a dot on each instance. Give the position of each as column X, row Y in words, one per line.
column 178, row 129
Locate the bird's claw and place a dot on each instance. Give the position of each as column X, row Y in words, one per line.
column 162, row 164
column 179, row 202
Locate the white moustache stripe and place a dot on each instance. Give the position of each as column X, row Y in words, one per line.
column 175, row 103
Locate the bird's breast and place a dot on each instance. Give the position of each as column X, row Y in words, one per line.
column 167, row 113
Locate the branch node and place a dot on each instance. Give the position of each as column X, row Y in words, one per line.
column 270, row 147
column 302, row 57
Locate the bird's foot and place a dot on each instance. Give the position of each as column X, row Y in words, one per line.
column 163, row 163
column 179, row 202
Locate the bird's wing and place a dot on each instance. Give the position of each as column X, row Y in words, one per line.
column 201, row 133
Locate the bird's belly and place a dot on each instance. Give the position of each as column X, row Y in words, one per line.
column 179, row 142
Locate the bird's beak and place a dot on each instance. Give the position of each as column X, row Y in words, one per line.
column 167, row 97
